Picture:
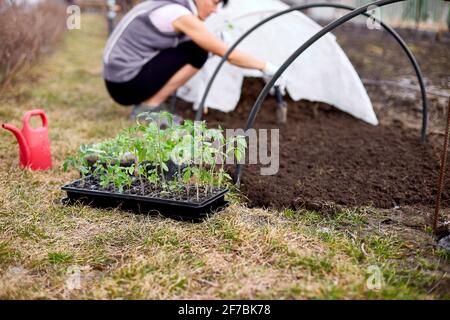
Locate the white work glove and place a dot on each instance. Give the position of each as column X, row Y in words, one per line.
column 268, row 72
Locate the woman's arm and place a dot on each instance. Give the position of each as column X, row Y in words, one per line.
column 196, row 30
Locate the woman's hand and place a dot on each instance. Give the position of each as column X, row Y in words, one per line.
column 269, row 71
column 196, row 30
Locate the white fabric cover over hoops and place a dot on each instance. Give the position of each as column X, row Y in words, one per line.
column 322, row 73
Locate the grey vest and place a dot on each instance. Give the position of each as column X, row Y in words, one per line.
column 135, row 41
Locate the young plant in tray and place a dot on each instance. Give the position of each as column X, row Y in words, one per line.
column 183, row 162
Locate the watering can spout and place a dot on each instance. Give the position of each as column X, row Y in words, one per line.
column 23, row 144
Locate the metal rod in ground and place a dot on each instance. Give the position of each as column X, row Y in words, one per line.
column 442, row 172
column 173, row 102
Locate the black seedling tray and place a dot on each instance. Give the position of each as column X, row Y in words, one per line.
column 179, row 210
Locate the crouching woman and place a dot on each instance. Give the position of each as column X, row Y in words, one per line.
column 158, row 46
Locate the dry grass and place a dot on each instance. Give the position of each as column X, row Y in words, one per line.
column 240, row 253
column 27, row 32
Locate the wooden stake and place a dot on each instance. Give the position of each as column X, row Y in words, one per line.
column 442, row 172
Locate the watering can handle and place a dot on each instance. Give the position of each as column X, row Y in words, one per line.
column 37, row 112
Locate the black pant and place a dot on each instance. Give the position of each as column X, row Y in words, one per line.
column 156, row 73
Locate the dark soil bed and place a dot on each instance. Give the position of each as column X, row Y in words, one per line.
column 327, row 155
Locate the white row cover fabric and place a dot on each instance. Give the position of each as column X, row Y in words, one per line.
column 322, row 73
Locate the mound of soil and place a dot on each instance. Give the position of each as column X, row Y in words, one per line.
column 327, row 155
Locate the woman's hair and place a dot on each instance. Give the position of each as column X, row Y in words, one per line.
column 225, row 2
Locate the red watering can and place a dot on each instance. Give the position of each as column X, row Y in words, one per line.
column 33, row 142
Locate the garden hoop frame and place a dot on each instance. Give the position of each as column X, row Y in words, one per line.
column 331, row 26
column 390, row 30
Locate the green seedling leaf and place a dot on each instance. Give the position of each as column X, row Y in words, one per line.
column 70, row 162
column 187, row 174
column 84, row 171
column 238, row 154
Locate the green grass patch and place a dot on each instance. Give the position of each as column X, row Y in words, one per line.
column 60, row 257
column 7, row 254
